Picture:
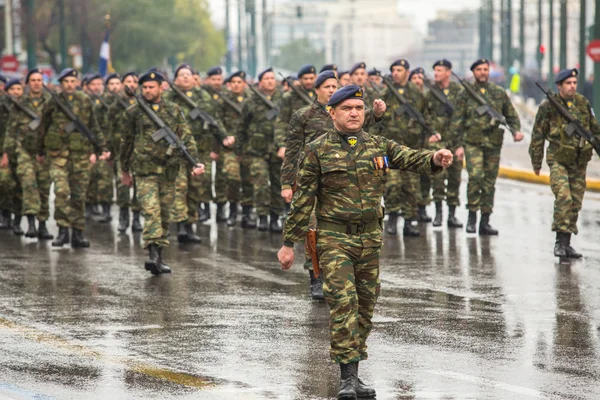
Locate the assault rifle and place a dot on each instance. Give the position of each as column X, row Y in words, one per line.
column 439, row 96
column 273, row 109
column 300, row 92
column 120, row 100
column 235, row 107
column 35, row 119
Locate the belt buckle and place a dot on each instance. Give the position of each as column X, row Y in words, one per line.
column 360, row 228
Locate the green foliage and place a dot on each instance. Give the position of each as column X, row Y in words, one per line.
column 299, row 52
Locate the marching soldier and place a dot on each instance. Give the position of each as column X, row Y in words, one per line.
column 344, row 78
column 359, row 77
column 345, row 171
column 8, row 183
column 482, row 138
column 329, row 67
column 375, row 80
column 567, row 156
column 155, row 164
column 71, row 156
column 417, row 76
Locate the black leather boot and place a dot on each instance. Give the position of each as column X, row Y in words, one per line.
column 275, row 225
column 6, row 220
column 31, row 231
column 221, row 212
column 2, row 220
column 453, row 222
column 232, row 219
column 571, row 252
column 410, row 230
column 423, row 217
column 95, row 210
column 472, row 222
column 391, row 227
column 162, row 267
column 349, row 382
column 62, row 238
column 363, row 391
column 78, row 240
column 316, row 286
column 438, row 214
column 560, row 245
column 182, row 233
column 88, row 210
column 123, row 219
column 191, row 236
column 136, row 225
column 105, row 216
column 43, row 233
column 153, row 263
column 263, row 224
column 17, row 226
column 484, row 226
column 248, row 219
column 204, row 213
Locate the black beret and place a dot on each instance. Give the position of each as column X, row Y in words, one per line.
column 566, row 74
column 152, row 69
column 373, row 72
column 12, row 82
column 345, row 93
column 93, row 75
column 292, row 77
column 340, row 73
column 479, row 62
column 237, row 74
column 108, row 77
column 263, row 72
column 3, row 78
column 128, row 73
column 418, row 70
column 306, row 69
column 214, row 71
column 400, row 63
column 323, row 76
column 152, row 76
column 442, row 63
column 182, row 66
column 66, row 73
column 329, row 67
column 31, row 72
column 356, row 66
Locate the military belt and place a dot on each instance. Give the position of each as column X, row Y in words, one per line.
column 349, row 229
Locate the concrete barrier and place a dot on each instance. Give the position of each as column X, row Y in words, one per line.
column 593, row 185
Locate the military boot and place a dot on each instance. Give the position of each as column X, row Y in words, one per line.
column 232, row 219
column 248, row 220
column 31, row 231
column 123, row 219
column 423, row 217
column 6, row 220
column 221, row 212
column 471, row 222
column 43, row 233
column 153, row 263
column 95, row 210
column 275, row 225
column 349, row 382
column 391, row 227
column 62, row 238
column 78, row 240
column 484, row 226
column 17, row 226
column 363, row 391
column 263, row 224
column 560, row 245
column 182, row 233
column 136, row 225
column 204, row 213
column 88, row 210
column 2, row 220
column 162, row 267
column 571, row 252
column 105, row 217
column 316, row 286
column 453, row 222
column 410, row 230
column 438, row 214
column 191, row 236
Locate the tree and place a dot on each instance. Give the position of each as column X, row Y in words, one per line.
column 299, row 52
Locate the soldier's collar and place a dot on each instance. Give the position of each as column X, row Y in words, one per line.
column 339, row 135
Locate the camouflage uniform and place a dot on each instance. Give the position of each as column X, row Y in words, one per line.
column 348, row 193
column 154, row 164
column 101, row 176
column 482, row 141
column 69, row 155
column 8, row 181
column 567, row 157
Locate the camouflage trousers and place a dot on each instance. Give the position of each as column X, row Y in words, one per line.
column 8, row 186
column 568, row 185
column 35, row 184
column 228, row 178
column 124, row 198
column 100, row 189
column 401, row 192
column 247, row 187
column 482, row 166
column 187, row 195
column 266, row 180
column 448, row 191
column 71, row 177
column 155, row 194
column 425, row 195
column 351, row 287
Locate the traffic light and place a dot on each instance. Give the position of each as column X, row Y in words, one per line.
column 542, row 49
column 540, row 54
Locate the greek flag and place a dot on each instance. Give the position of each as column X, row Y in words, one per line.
column 105, row 66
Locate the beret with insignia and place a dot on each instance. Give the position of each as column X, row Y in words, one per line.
column 292, row 77
column 565, row 74
column 442, row 63
column 329, row 67
column 356, row 66
column 151, row 76
column 373, row 72
column 306, row 69
column 214, row 71
column 479, row 62
column 263, row 72
column 182, row 66
column 418, row 70
column 31, row 72
column 3, row 78
column 92, row 76
column 323, row 76
column 237, row 74
column 345, row 93
column 400, row 63
column 342, row 73
column 128, row 73
column 108, row 77
column 67, row 72
column 12, row 82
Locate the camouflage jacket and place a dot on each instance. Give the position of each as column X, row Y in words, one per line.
column 346, row 184
column 116, row 118
column 140, row 151
column 288, row 105
column 307, row 124
column 202, row 132
column 402, row 128
column 228, row 116
column 437, row 117
column 57, row 142
column 470, row 128
column 4, row 110
column 18, row 134
column 550, row 125
column 256, row 135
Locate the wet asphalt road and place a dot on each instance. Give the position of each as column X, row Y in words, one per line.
column 460, row 317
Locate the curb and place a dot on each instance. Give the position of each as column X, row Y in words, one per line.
column 592, row 185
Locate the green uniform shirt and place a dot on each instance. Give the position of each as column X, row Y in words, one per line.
column 18, row 134
column 257, row 134
column 288, row 105
column 399, row 126
column 438, row 118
